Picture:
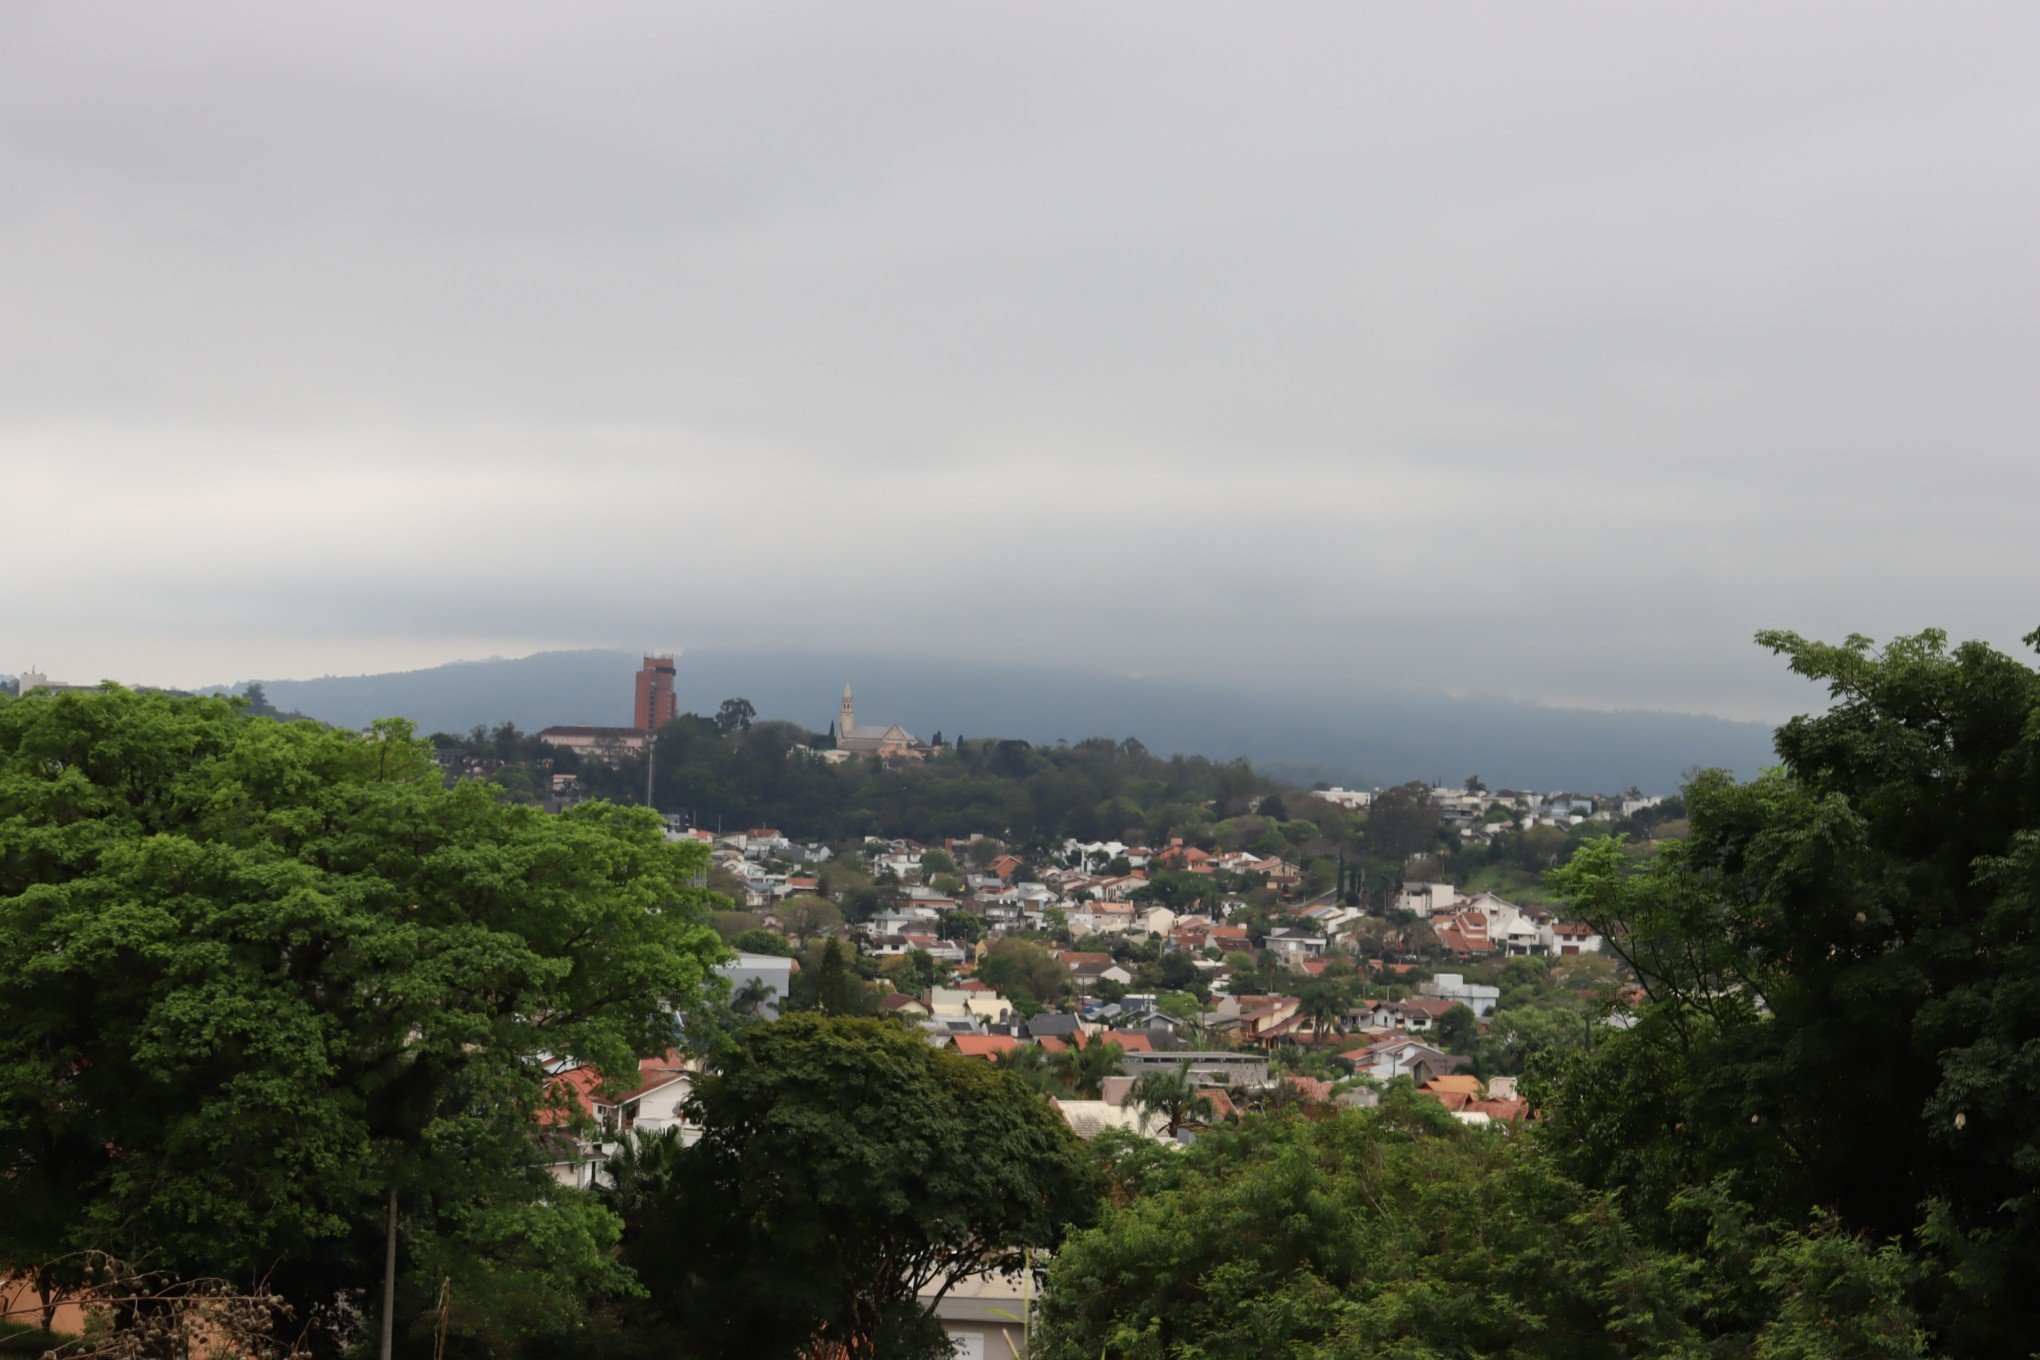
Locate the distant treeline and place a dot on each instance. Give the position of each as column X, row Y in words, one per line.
column 1099, row 789
column 734, row 777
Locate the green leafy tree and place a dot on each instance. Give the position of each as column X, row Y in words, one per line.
column 916, row 971
column 762, row 941
column 1401, row 823
column 1401, row 1233
column 806, row 917
column 937, row 862
column 1457, row 1030
column 847, row 1174
column 735, row 716
column 1014, row 961
column 255, row 977
column 963, row 926
column 1838, row 962
column 827, row 983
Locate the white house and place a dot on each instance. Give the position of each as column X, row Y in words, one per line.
column 1571, row 937
column 1293, row 945
column 1400, row 1058
column 1514, row 931
column 1476, row 997
column 1426, row 899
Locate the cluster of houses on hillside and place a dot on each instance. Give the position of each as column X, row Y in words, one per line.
column 1476, row 813
column 1089, row 893
column 1374, row 1039
column 1484, row 924
column 1231, row 1050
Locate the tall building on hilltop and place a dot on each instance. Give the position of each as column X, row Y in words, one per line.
column 654, row 708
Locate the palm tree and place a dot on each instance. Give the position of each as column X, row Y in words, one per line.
column 1030, row 1063
column 1323, row 1003
column 639, row 1171
column 1196, row 1031
column 1083, row 1070
column 1170, row 1095
column 749, row 997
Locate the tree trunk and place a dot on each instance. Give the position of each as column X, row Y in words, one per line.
column 47, row 1296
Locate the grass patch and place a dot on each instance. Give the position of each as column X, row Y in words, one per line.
column 1512, row 884
column 21, row 1338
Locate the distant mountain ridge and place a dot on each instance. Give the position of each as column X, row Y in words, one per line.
column 1366, row 738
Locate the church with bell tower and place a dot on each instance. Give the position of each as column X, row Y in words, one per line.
column 874, row 739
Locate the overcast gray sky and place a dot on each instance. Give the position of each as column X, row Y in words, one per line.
column 1546, row 350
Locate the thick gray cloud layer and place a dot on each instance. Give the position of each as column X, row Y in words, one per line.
column 1539, row 350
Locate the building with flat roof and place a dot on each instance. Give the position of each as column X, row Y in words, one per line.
column 596, row 743
column 654, row 706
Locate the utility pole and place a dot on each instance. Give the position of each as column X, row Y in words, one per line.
column 389, row 1282
column 651, row 749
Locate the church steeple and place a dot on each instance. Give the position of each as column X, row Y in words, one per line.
column 846, row 724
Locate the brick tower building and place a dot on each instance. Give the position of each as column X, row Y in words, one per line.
column 654, row 694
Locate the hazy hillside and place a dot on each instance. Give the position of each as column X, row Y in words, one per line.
column 1315, row 730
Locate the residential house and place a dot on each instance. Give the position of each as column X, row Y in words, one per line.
column 586, row 1123
column 986, row 1046
column 1418, row 1015
column 977, row 1001
column 1292, row 946
column 1424, row 900
column 987, row 1316
column 1388, row 1059
column 1453, row 987
column 1573, row 937
column 1464, row 936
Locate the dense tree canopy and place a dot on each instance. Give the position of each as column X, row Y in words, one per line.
column 255, row 975
column 1840, row 964
column 1401, row 1233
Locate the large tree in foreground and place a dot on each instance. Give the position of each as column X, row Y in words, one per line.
column 1841, row 961
column 846, row 1172
column 256, row 978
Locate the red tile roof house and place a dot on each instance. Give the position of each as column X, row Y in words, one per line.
column 1420, row 1012
column 1310, row 1088
column 1511, row 1111
column 583, row 1123
column 986, row 1046
column 1129, row 1040
column 1465, row 933
column 1180, row 856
